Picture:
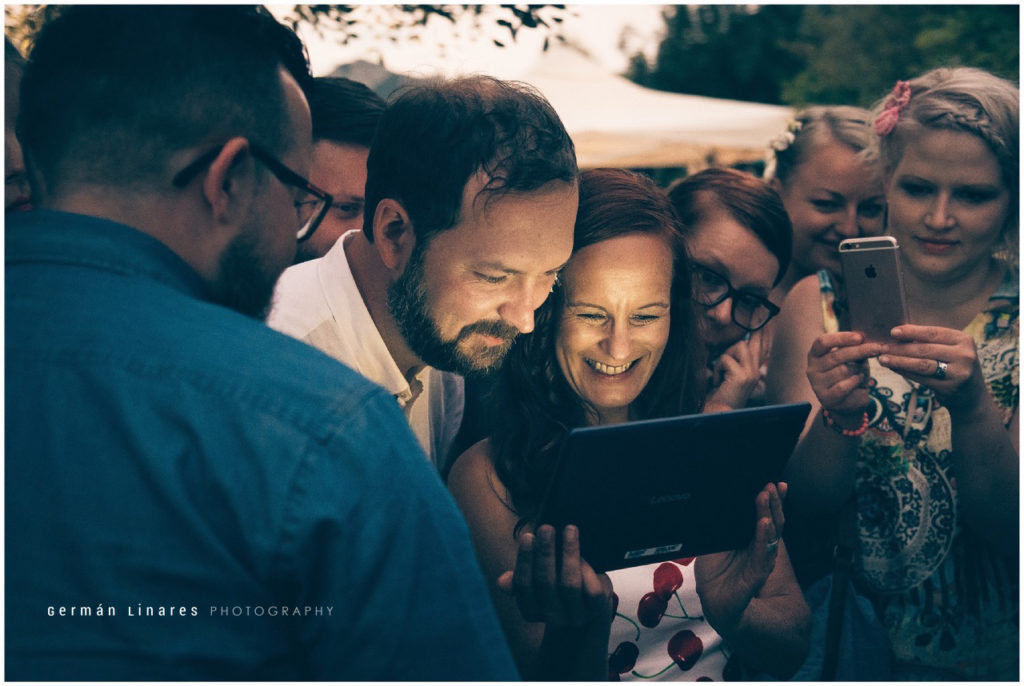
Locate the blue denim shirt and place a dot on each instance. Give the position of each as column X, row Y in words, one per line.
column 191, row 495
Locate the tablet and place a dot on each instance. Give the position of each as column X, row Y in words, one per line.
column 664, row 489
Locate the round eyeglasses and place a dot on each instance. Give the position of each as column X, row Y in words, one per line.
column 749, row 312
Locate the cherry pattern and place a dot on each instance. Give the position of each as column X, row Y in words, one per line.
column 685, row 648
column 622, row 659
column 683, row 639
column 653, row 606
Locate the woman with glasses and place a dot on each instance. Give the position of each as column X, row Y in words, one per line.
column 617, row 341
column 739, row 239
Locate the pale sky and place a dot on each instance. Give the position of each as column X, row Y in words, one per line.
column 444, row 48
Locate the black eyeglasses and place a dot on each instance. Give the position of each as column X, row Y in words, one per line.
column 311, row 204
column 749, row 311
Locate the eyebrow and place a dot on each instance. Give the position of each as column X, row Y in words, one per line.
column 717, row 266
column 499, row 267
column 967, row 184
column 577, row 303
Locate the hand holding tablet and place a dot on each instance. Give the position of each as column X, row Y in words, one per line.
column 662, row 489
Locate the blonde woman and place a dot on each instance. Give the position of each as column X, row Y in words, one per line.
column 922, row 431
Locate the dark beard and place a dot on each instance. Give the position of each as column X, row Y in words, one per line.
column 407, row 302
column 243, row 284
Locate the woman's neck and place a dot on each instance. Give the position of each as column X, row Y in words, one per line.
column 605, row 416
column 952, row 303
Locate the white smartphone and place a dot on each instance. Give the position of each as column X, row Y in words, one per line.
column 873, row 281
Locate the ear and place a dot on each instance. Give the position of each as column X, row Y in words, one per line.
column 775, row 185
column 229, row 184
column 393, row 234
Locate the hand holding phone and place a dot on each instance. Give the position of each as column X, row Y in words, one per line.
column 873, row 281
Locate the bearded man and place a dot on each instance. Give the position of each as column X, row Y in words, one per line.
column 190, row 495
column 471, row 197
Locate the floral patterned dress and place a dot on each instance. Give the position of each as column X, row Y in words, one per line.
column 659, row 631
column 948, row 601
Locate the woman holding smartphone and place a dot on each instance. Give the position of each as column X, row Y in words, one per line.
column 922, row 430
column 616, row 341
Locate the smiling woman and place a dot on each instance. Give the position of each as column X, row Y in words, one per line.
column 615, row 322
column 921, row 432
column 830, row 190
column 617, row 341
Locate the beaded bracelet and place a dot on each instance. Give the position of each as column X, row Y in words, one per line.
column 830, row 422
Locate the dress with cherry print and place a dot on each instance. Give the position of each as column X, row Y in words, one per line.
column 659, row 631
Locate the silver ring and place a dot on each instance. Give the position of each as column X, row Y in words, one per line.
column 772, row 545
column 940, row 369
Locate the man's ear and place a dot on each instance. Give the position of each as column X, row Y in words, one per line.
column 393, row 234
column 229, row 184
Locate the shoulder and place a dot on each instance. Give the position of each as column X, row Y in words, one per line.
column 801, row 311
column 479, row 492
column 299, row 303
column 265, row 372
column 486, row 507
column 473, row 472
column 809, row 290
column 798, row 324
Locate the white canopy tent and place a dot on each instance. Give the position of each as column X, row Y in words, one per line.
column 615, row 122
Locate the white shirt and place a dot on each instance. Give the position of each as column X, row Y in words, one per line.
column 319, row 303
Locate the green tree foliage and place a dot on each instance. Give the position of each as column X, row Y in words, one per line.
column 375, row 23
column 393, row 23
column 855, row 53
column 727, row 51
column 825, row 54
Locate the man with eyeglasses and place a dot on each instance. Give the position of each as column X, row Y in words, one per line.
column 191, row 495
column 345, row 115
column 739, row 240
column 471, row 197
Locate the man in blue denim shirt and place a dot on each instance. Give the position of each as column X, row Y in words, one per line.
column 190, row 495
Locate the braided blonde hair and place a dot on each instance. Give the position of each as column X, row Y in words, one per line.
column 970, row 100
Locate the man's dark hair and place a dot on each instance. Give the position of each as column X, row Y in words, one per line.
column 344, row 111
column 111, row 92
column 749, row 200
column 434, row 137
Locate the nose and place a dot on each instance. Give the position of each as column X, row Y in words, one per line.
column 616, row 343
column 721, row 313
column 939, row 216
column 847, row 226
column 517, row 313
column 518, row 309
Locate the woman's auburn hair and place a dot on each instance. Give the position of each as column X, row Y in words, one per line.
column 533, row 405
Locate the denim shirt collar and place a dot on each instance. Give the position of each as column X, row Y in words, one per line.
column 77, row 239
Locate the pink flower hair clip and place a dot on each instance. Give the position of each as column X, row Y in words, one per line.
column 897, row 100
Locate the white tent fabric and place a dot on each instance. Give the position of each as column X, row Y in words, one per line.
column 615, row 122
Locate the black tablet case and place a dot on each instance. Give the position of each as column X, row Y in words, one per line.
column 663, row 489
